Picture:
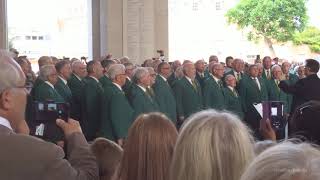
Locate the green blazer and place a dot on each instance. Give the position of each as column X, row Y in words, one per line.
column 76, row 87
column 171, row 79
column 264, row 75
column 64, row 91
column 120, row 114
column 213, row 96
column 45, row 92
column 233, row 102
column 250, row 93
column 91, row 103
column 276, row 94
column 188, row 99
column 105, row 81
column 141, row 102
column 37, row 82
column 165, row 98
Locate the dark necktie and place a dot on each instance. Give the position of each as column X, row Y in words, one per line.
column 257, row 83
column 150, row 92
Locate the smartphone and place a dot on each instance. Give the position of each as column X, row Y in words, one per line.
column 43, row 123
column 273, row 110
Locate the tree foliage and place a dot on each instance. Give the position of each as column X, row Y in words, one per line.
column 270, row 19
column 310, row 36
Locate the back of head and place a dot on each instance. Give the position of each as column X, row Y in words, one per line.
column 108, row 156
column 148, row 149
column 212, row 146
column 44, row 60
column 10, row 72
column 261, row 146
column 286, row 161
column 305, row 122
column 313, row 65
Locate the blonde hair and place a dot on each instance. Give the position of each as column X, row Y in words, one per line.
column 212, row 146
column 286, row 161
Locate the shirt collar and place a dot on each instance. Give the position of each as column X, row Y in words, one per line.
column 77, row 76
column 128, row 78
column 94, row 78
column 163, row 77
column 51, row 85
column 63, row 80
column 231, row 88
column 216, row 79
column 117, row 85
column 143, row 89
column 5, row 123
column 189, row 79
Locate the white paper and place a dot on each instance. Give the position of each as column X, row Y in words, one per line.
column 258, row 108
column 274, row 111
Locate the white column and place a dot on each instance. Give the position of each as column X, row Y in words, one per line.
column 95, row 29
column 3, row 25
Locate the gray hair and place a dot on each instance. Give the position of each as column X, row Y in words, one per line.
column 124, row 59
column 227, row 77
column 115, row 70
column 138, row 73
column 46, row 71
column 213, row 65
column 11, row 73
column 75, row 64
column 274, row 67
column 285, row 161
column 185, row 67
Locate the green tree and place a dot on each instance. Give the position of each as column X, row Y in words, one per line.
column 310, row 36
column 270, row 20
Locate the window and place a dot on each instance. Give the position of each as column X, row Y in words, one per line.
column 219, row 5
column 49, row 27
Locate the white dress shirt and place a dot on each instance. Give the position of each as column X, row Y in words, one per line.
column 117, row 86
column 5, row 122
column 94, row 78
column 51, row 85
column 143, row 89
column 163, row 77
column 257, row 81
column 63, row 80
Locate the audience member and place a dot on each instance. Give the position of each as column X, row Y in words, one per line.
column 26, row 157
column 149, row 148
column 286, row 161
column 212, row 146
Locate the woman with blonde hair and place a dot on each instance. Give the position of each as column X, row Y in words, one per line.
column 149, row 148
column 286, row 161
column 212, row 146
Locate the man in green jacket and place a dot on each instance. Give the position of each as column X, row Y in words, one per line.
column 232, row 98
column 213, row 88
column 120, row 113
column 128, row 85
column 75, row 82
column 163, row 92
column 92, row 100
column 141, row 100
column 46, row 91
column 252, row 90
column 267, row 63
column 105, row 80
column 64, row 71
column 188, row 93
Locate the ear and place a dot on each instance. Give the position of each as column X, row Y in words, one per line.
column 6, row 100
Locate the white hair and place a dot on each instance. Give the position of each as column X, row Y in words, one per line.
column 227, row 77
column 285, row 161
column 274, row 67
column 138, row 73
column 46, row 71
column 11, row 73
column 76, row 64
column 115, row 69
